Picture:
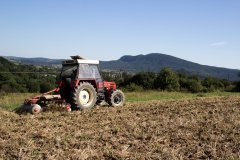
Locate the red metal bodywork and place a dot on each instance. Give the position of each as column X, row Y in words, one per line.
column 46, row 98
column 54, row 95
column 109, row 85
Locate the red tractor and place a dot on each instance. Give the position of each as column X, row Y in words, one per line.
column 81, row 86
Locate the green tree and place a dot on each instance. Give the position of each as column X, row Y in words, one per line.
column 24, row 78
column 133, row 87
column 6, row 88
column 45, row 87
column 33, row 86
column 194, row 85
column 144, row 79
column 212, row 84
column 167, row 79
column 191, row 83
column 48, row 83
column 237, row 84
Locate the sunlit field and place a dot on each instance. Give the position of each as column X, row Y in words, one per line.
column 13, row 100
column 152, row 125
column 157, row 95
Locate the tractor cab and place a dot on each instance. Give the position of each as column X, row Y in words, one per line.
column 80, row 69
column 82, row 66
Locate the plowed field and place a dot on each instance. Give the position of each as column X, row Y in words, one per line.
column 199, row 128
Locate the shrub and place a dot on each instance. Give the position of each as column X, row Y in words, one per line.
column 144, row 79
column 167, row 79
column 212, row 84
column 133, row 87
column 194, row 85
column 237, row 86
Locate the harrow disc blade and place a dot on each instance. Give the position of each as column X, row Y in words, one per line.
column 27, row 108
column 36, row 109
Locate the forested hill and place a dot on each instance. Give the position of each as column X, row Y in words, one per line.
column 155, row 62
column 25, row 78
column 38, row 61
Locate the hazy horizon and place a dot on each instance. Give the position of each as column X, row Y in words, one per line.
column 126, row 55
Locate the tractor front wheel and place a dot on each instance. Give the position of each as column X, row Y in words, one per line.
column 85, row 96
column 117, row 99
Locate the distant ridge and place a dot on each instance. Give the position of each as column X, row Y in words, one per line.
column 38, row 61
column 153, row 62
column 156, row 61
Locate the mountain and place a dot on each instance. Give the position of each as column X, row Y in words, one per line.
column 155, row 62
column 39, row 61
column 151, row 62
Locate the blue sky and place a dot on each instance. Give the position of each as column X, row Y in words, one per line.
column 202, row 31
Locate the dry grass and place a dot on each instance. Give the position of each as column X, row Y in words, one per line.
column 202, row 128
column 13, row 100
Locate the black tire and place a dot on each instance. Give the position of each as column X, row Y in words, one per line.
column 99, row 102
column 85, row 96
column 117, row 99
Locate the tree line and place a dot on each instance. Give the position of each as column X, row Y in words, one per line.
column 170, row 80
column 25, row 78
column 29, row 78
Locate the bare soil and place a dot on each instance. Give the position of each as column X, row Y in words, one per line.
column 201, row 128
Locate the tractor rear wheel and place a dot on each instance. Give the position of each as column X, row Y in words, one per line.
column 117, row 99
column 85, row 96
